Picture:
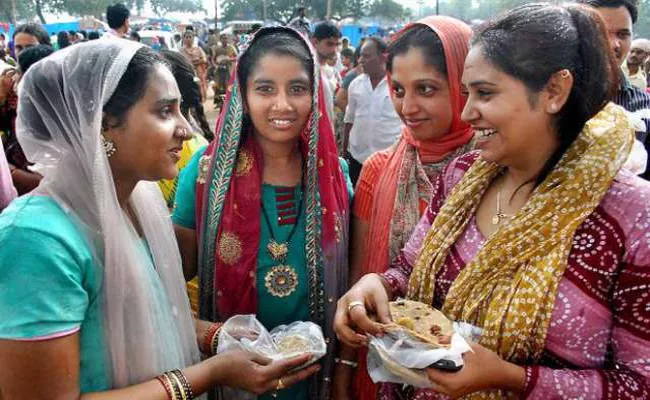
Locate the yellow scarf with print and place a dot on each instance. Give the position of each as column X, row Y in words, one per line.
column 510, row 288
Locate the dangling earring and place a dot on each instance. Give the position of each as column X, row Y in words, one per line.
column 109, row 146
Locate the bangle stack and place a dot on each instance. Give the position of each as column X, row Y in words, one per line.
column 176, row 385
column 349, row 363
column 211, row 339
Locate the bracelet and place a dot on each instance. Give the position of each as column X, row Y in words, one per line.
column 349, row 363
column 164, row 380
column 179, row 392
column 208, row 336
column 214, row 344
column 187, row 388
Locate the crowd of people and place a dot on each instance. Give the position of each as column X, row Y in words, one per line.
column 497, row 173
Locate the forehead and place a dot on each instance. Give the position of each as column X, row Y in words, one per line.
column 615, row 18
column 479, row 68
column 25, row 38
column 412, row 66
column 277, row 68
column 161, row 85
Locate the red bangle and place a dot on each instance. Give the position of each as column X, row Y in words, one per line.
column 164, row 380
column 207, row 338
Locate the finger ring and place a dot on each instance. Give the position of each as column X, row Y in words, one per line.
column 355, row 304
column 280, row 385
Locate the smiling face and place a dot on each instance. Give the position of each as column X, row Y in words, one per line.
column 618, row 23
column 420, row 94
column 278, row 98
column 150, row 140
column 512, row 124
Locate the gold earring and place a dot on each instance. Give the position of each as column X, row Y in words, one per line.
column 109, row 147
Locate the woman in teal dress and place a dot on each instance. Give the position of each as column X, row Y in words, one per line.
column 262, row 214
column 91, row 287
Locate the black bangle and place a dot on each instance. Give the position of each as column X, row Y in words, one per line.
column 189, row 394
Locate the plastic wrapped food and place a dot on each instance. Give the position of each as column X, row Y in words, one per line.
column 245, row 332
column 420, row 337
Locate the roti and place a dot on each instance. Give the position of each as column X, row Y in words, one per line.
column 293, row 344
column 421, row 321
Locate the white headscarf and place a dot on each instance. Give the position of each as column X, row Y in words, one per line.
column 147, row 323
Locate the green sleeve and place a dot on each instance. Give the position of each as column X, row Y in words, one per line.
column 348, row 181
column 42, row 284
column 185, row 201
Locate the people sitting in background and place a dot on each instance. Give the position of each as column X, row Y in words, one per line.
column 117, row 17
column 634, row 65
column 29, row 34
column 94, row 35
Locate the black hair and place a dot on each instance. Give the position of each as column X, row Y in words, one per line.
column 116, row 15
column 83, row 33
column 72, row 33
column 32, row 55
column 2, row 35
column 63, row 39
column 135, row 36
column 131, row 87
column 420, row 37
column 533, row 42
column 631, row 6
column 347, row 53
column 357, row 55
column 380, row 45
column 35, row 30
column 186, row 80
column 279, row 42
column 94, row 35
column 326, row 30
column 255, row 28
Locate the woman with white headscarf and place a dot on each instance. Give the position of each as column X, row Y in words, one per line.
column 92, row 294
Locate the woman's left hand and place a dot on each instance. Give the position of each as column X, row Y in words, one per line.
column 483, row 370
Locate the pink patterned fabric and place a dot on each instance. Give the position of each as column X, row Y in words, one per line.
column 598, row 341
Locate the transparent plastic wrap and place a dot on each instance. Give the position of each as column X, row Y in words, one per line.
column 398, row 357
column 245, row 332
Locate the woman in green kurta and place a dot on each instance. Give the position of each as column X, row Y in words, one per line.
column 268, row 201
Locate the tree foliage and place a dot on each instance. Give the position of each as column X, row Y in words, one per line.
column 283, row 10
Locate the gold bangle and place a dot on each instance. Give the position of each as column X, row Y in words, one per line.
column 355, row 304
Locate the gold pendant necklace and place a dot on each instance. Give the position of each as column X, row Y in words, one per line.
column 282, row 279
column 499, row 216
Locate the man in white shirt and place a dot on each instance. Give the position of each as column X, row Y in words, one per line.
column 371, row 123
column 326, row 38
column 633, row 65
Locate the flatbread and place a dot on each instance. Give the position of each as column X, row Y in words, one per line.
column 293, row 344
column 421, row 321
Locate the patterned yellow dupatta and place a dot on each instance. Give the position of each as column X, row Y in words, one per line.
column 510, row 288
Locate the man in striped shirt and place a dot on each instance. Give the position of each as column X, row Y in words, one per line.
column 619, row 16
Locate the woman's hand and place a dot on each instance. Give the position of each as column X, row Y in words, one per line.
column 372, row 292
column 483, row 370
column 257, row 374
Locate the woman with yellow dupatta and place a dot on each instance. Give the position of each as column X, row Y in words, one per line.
column 268, row 201
column 540, row 238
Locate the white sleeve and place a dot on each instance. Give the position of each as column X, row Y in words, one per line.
column 351, row 109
